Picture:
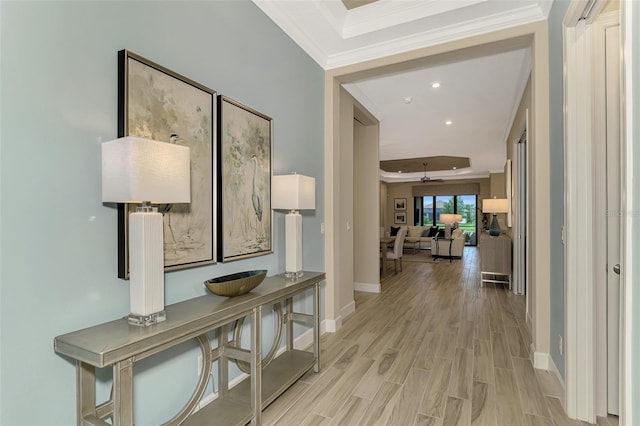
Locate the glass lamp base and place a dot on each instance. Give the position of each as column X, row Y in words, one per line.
column 494, row 230
column 147, row 320
column 293, row 275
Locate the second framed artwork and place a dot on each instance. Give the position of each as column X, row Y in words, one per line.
column 400, row 203
column 244, row 181
column 400, row 217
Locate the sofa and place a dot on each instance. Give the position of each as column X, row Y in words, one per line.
column 440, row 247
column 418, row 237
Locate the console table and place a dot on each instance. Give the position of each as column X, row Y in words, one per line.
column 495, row 259
column 119, row 345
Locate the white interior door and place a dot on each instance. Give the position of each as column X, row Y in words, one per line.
column 612, row 71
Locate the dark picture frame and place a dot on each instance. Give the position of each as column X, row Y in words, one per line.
column 245, row 164
column 400, row 203
column 400, row 217
column 157, row 103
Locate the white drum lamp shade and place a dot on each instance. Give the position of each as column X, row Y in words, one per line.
column 293, row 192
column 138, row 170
column 448, row 219
column 495, row 206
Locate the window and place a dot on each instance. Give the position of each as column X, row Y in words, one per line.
column 430, row 207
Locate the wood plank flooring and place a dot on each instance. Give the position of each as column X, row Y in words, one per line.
column 433, row 348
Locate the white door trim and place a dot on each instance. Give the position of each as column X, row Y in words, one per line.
column 580, row 311
column 603, row 209
column 630, row 112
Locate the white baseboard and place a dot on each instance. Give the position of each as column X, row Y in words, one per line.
column 333, row 325
column 553, row 368
column 347, row 310
column 540, row 360
column 367, row 287
column 305, row 339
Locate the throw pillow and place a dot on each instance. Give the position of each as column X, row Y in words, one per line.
column 394, row 231
column 426, row 233
column 433, row 231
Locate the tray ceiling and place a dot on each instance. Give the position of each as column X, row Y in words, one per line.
column 479, row 95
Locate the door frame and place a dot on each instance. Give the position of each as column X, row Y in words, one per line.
column 533, row 34
column 603, row 210
column 580, row 327
column 579, row 217
column 630, row 112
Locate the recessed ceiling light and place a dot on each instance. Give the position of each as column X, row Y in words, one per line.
column 399, row 171
column 408, row 99
column 448, row 122
column 435, row 84
column 454, row 167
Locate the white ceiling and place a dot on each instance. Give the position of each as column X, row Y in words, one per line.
column 479, row 94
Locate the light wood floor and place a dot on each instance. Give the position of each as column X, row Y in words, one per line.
column 433, row 348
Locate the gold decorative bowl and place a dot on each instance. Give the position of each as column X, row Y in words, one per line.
column 236, row 284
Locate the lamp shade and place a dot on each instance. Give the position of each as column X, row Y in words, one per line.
column 293, row 192
column 495, row 205
column 450, row 218
column 135, row 170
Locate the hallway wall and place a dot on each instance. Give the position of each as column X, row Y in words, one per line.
column 556, row 188
column 58, row 261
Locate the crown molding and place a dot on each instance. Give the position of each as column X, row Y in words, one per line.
column 386, row 13
column 280, row 13
column 282, row 18
column 441, row 35
column 364, row 100
column 525, row 73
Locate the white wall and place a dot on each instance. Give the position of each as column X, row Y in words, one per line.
column 58, row 242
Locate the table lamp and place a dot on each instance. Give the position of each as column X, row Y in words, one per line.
column 137, row 170
column 448, row 219
column 495, row 206
column 293, row 192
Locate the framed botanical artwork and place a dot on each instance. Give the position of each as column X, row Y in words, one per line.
column 400, row 217
column 400, row 203
column 159, row 104
column 244, row 181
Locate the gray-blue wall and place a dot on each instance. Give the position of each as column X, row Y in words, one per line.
column 556, row 158
column 58, row 242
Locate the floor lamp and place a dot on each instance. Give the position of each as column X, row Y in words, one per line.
column 137, row 170
column 293, row 192
column 495, row 206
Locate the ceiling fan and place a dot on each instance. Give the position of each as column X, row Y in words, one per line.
column 426, row 178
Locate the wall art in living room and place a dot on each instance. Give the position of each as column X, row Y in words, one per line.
column 244, row 191
column 400, row 217
column 159, row 104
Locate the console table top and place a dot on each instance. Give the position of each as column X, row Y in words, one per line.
column 111, row 342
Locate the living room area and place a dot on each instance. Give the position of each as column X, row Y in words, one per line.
column 442, row 219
